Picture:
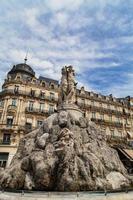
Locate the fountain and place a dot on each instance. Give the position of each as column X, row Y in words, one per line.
column 67, row 153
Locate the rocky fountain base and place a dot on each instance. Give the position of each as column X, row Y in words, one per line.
column 68, row 153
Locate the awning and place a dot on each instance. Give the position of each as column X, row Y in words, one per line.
column 128, row 153
column 29, row 120
column 9, row 117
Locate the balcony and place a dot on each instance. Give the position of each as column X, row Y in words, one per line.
column 107, row 123
column 116, row 140
column 28, row 94
column 102, row 110
column 2, row 142
column 36, row 111
column 13, row 128
column 8, row 127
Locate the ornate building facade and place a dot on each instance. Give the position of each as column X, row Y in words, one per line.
column 25, row 101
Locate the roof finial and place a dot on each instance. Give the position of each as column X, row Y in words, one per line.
column 25, row 59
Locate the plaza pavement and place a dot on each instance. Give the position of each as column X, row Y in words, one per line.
column 65, row 196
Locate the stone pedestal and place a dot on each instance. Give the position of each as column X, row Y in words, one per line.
column 72, row 109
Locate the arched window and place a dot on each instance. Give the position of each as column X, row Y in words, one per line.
column 43, row 84
column 52, row 86
column 18, row 77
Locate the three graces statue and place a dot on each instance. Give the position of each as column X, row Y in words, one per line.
column 67, row 94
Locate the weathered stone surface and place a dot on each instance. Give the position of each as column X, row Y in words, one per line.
column 65, row 154
column 117, row 180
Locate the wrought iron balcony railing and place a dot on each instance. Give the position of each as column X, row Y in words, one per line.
column 106, row 122
column 103, row 110
column 3, row 142
column 39, row 111
column 29, row 94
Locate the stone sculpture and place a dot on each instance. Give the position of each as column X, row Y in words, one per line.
column 67, row 86
column 67, row 153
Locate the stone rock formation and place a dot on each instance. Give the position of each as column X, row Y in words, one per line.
column 67, row 153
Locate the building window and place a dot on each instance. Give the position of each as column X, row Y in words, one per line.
column 3, row 159
column 42, row 95
column 14, row 102
column 6, row 138
column 31, row 105
column 93, row 115
column 2, row 103
column 116, row 108
column 9, row 121
column 113, row 108
column 34, row 80
column 82, row 101
column 110, row 118
column 43, row 84
column 32, row 93
column 52, row 86
column 118, row 120
column 51, row 109
column 41, row 107
column 112, row 133
column 102, row 116
column 100, row 105
column 108, row 106
column 52, row 96
column 16, row 89
column 127, row 121
column 18, row 77
column 39, row 123
column 92, row 103
column 28, row 126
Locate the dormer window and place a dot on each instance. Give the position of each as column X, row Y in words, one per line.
column 18, row 77
column 34, row 80
column 82, row 90
column 52, row 86
column 43, row 84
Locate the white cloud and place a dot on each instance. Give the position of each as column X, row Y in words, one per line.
column 56, row 5
column 123, row 89
column 57, row 33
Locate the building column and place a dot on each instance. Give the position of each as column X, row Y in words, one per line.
column 21, row 113
column 18, row 110
column 34, row 122
column 3, row 117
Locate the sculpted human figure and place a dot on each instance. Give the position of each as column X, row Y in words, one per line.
column 63, row 86
column 67, row 86
column 71, row 85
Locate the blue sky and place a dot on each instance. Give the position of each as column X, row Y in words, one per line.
column 95, row 36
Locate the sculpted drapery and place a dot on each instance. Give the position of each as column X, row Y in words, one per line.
column 67, row 92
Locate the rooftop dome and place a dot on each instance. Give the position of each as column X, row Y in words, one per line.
column 22, row 68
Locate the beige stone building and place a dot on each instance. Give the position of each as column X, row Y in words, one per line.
column 25, row 101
